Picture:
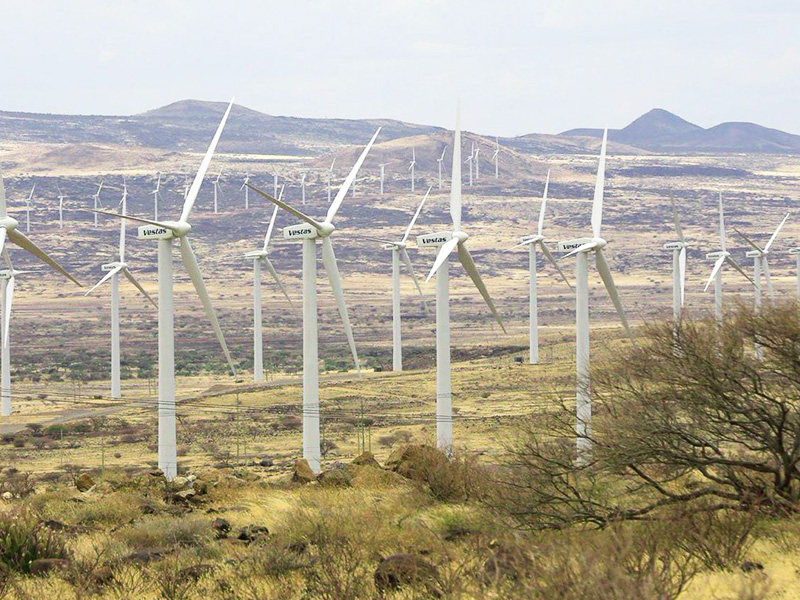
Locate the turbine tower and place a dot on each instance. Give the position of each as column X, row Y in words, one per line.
column 581, row 248
column 60, row 208
column 166, row 232
column 440, row 160
column 796, row 252
column 330, row 176
column 399, row 253
column 532, row 241
column 448, row 243
column 496, row 158
column 96, row 199
column 309, row 231
column 28, row 207
column 246, row 189
column 411, row 166
column 156, row 194
column 114, row 269
column 477, row 162
column 303, row 188
column 275, row 185
column 9, row 232
column 721, row 257
column 217, row 190
column 383, row 172
column 678, row 250
column 259, row 258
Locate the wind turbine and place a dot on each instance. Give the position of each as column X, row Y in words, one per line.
column 496, row 158
column 114, row 269
column 383, row 171
column 440, row 160
column 411, row 166
column 448, row 243
column 28, row 207
column 399, row 253
column 260, row 257
column 721, row 257
column 165, row 232
column 581, row 248
column 469, row 161
column 303, row 187
column 309, row 231
column 275, row 184
column 678, row 265
column 9, row 232
column 60, row 208
column 330, row 176
column 477, row 162
column 531, row 241
column 217, row 190
column 156, row 193
column 246, row 189
column 96, row 199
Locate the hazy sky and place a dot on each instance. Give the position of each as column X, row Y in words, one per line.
column 518, row 66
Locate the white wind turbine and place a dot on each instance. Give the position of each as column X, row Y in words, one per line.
column 477, row 162
column 60, row 208
column 156, row 194
column 399, row 253
column 411, row 166
column 166, row 232
column 309, row 231
column 96, row 199
column 721, row 257
column 496, row 158
column 440, row 160
column 796, row 252
column 246, row 188
column 28, row 208
column 531, row 241
column 114, row 269
column 383, row 172
column 275, row 184
column 448, row 243
column 9, row 232
column 259, row 258
column 469, row 161
column 581, row 247
column 678, row 250
column 330, row 176
column 217, row 190
column 303, row 188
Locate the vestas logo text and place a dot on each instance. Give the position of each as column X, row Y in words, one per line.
column 570, row 246
column 156, row 231
column 434, row 240
column 294, row 232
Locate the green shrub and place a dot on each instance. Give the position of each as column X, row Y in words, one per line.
column 24, row 538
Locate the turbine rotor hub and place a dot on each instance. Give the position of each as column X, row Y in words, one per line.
column 326, row 229
column 179, row 228
column 460, row 236
column 9, row 223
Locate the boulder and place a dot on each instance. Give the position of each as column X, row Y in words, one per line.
column 403, row 569
column 220, row 527
column 266, row 462
column 302, row 472
column 180, row 482
column 42, row 566
column 251, row 533
column 184, row 495
column 84, row 483
column 145, row 555
column 413, row 462
column 335, row 478
column 366, row 459
column 200, row 487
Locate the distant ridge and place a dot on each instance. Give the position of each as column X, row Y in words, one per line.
column 659, row 131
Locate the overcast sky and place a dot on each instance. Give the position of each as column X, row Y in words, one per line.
column 518, row 66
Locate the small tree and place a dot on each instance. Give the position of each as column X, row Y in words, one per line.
column 688, row 416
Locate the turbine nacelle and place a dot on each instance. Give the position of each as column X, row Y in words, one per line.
column 164, row 230
column 675, row 245
column 756, row 253
column 256, row 254
column 582, row 245
column 113, row 265
column 718, row 254
column 433, row 240
column 531, row 239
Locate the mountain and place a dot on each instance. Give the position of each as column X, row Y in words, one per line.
column 662, row 131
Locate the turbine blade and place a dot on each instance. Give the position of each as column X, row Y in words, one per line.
column 201, row 172
column 768, row 278
column 7, row 311
column 678, row 228
column 469, row 266
column 597, row 204
column 3, row 208
column 583, row 248
column 748, row 240
column 407, row 261
column 736, row 266
column 105, row 278
column 445, row 251
column 293, row 211
column 139, row 287
column 132, row 218
column 340, row 195
column 682, row 272
column 774, row 235
column 544, row 202
column 717, row 267
column 271, row 225
column 608, row 281
column 21, row 240
column 551, row 258
column 455, row 184
column 190, row 262
column 521, row 244
column 416, row 214
column 329, row 260
column 274, row 273
column 3, row 233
